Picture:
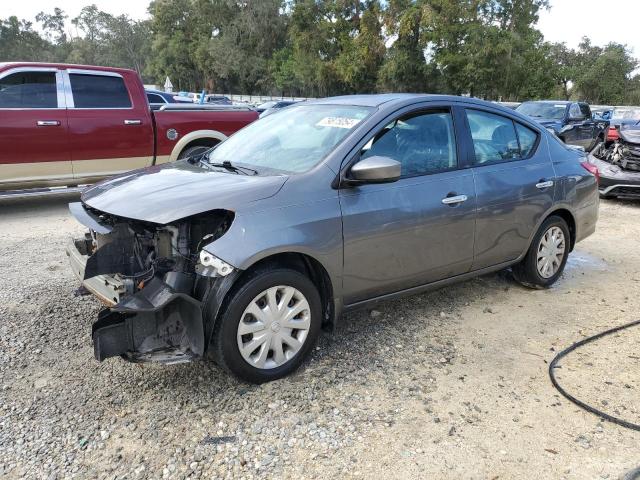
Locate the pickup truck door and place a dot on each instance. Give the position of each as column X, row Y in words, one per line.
column 588, row 126
column 34, row 149
column 110, row 125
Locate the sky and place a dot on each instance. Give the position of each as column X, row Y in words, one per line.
column 567, row 20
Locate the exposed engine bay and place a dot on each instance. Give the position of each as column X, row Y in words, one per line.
column 624, row 151
column 159, row 275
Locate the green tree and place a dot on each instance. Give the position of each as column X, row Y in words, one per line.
column 18, row 41
column 607, row 76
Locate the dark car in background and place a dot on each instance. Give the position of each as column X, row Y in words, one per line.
column 158, row 98
column 248, row 251
column 572, row 122
column 268, row 108
column 218, row 100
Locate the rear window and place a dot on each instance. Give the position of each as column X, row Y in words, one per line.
column 99, row 91
column 29, row 90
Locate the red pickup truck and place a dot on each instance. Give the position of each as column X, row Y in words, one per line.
column 69, row 125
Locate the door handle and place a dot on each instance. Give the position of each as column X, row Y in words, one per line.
column 542, row 184
column 48, row 123
column 454, row 200
column 133, row 122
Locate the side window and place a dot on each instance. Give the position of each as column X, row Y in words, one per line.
column 574, row 111
column 423, row 143
column 155, row 98
column 29, row 90
column 99, row 91
column 585, row 110
column 527, row 138
column 494, row 137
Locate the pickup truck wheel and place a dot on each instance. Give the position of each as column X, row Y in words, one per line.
column 545, row 260
column 193, row 151
column 269, row 325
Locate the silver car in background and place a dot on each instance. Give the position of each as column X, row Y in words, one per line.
column 247, row 251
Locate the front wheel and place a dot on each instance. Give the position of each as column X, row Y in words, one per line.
column 544, row 262
column 269, row 325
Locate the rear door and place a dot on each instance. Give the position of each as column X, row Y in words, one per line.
column 514, row 180
column 108, row 132
column 34, row 149
column 420, row 228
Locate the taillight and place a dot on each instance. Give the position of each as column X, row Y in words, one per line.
column 612, row 134
column 592, row 169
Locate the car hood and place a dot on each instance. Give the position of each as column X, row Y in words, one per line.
column 549, row 123
column 166, row 193
column 630, row 134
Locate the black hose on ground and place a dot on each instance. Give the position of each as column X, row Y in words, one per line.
column 581, row 404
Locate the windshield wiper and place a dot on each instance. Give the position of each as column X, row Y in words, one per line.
column 227, row 165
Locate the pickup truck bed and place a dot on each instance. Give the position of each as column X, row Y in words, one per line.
column 67, row 125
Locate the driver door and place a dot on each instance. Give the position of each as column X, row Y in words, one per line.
column 418, row 229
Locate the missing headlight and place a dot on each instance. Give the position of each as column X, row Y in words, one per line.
column 211, row 266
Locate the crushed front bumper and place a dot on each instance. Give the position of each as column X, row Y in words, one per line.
column 157, row 323
column 107, row 288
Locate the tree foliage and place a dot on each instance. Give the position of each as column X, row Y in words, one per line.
column 485, row 48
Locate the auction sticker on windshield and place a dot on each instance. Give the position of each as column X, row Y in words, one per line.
column 338, row 122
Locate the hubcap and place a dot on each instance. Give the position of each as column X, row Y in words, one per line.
column 550, row 252
column 274, row 327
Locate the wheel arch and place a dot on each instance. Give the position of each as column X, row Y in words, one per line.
column 309, row 266
column 568, row 217
column 559, row 211
column 196, row 138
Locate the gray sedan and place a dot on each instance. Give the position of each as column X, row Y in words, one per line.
column 248, row 251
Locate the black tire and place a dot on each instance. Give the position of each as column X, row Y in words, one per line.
column 193, row 151
column 224, row 347
column 526, row 272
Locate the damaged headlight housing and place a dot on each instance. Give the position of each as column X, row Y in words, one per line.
column 211, row 266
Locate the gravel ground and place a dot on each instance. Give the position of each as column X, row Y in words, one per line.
column 449, row 384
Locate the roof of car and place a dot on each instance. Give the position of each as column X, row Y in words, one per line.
column 557, row 102
column 63, row 66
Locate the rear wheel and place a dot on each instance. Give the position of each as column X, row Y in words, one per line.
column 269, row 325
column 193, row 151
column 544, row 262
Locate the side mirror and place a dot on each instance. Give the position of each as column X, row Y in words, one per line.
column 577, row 119
column 376, row 169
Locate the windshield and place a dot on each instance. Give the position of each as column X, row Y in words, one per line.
column 543, row 110
column 632, row 113
column 293, row 141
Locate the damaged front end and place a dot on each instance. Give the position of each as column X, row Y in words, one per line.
column 152, row 278
column 619, row 163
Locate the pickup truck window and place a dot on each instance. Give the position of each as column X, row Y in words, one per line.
column 29, row 90
column 574, row 111
column 99, row 91
column 586, row 111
